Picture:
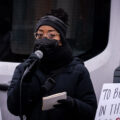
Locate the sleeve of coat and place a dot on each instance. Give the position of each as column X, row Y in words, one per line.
column 85, row 99
column 13, row 95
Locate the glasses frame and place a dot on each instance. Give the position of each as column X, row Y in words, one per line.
column 47, row 34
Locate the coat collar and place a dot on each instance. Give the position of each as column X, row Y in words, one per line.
column 69, row 68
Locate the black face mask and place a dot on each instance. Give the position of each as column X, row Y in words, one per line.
column 54, row 55
column 47, row 46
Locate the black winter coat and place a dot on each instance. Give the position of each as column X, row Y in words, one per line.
column 74, row 79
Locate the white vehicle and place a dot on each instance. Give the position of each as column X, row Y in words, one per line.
column 94, row 35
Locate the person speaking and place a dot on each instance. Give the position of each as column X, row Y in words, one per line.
column 55, row 72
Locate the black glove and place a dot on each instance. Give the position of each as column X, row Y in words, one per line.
column 26, row 64
column 68, row 103
column 30, row 59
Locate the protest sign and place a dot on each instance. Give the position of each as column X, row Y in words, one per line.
column 109, row 103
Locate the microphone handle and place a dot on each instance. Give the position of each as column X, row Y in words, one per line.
column 29, row 68
column 26, row 72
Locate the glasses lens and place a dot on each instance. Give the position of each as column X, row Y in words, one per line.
column 38, row 35
column 51, row 35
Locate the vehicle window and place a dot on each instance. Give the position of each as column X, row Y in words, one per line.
column 87, row 32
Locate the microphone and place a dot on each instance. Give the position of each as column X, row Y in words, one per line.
column 38, row 55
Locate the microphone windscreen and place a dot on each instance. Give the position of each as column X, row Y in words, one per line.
column 39, row 54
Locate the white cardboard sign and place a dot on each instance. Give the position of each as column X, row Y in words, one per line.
column 109, row 103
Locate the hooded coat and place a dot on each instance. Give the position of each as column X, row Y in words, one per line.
column 74, row 78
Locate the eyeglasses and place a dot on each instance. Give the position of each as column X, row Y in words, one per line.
column 49, row 35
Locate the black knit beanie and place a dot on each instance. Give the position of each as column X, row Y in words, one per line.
column 55, row 22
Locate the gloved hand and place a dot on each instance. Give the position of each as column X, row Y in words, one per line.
column 30, row 59
column 26, row 64
column 68, row 103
